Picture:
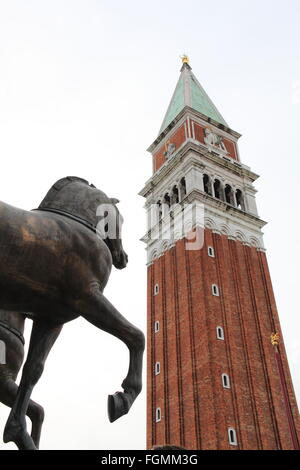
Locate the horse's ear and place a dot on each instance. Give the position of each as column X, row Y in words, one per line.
column 114, row 200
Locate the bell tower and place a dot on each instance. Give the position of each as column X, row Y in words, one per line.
column 217, row 371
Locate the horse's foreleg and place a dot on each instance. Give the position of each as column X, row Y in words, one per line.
column 8, row 394
column 42, row 338
column 101, row 313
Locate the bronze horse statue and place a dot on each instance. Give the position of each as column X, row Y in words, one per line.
column 55, row 264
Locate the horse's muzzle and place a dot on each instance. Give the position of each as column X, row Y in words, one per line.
column 120, row 261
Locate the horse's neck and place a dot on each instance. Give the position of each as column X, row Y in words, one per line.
column 13, row 319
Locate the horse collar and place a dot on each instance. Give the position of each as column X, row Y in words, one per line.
column 82, row 221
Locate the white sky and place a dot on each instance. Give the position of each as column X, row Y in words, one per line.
column 84, row 86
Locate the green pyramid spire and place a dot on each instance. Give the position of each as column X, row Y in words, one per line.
column 189, row 92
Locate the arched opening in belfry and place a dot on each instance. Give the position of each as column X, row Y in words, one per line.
column 159, row 210
column 175, row 195
column 218, row 189
column 240, row 200
column 229, row 194
column 182, row 188
column 207, row 184
column 167, row 200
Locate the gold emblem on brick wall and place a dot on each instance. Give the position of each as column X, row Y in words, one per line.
column 275, row 339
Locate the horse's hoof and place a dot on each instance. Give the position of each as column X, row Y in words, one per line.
column 118, row 405
column 21, row 438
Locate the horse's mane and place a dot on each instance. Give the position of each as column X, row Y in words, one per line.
column 61, row 183
column 67, row 180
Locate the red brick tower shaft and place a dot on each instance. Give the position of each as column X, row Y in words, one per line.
column 218, row 376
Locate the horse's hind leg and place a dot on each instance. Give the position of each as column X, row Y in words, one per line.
column 8, row 394
column 101, row 313
column 36, row 414
column 43, row 336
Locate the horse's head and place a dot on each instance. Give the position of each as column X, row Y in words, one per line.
column 76, row 196
column 109, row 228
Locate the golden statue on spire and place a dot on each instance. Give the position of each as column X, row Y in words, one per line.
column 185, row 59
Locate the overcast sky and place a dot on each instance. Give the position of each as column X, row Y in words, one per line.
column 84, row 86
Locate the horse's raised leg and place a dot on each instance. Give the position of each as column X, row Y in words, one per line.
column 42, row 338
column 8, row 394
column 101, row 313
